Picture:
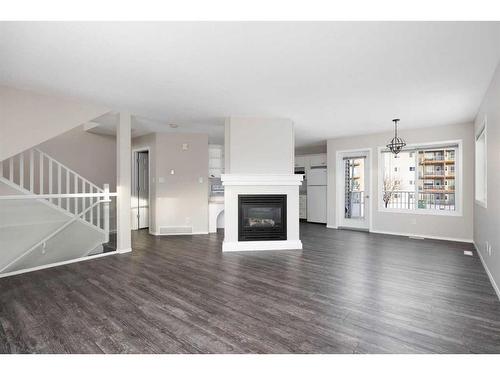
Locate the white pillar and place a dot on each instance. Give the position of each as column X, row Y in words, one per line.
column 123, row 181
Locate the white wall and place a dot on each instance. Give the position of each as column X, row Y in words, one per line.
column 259, row 146
column 28, row 118
column 178, row 199
column 452, row 227
column 487, row 219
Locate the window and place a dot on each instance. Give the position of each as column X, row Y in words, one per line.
column 481, row 170
column 421, row 179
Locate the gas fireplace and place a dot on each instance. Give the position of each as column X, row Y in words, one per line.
column 262, row 217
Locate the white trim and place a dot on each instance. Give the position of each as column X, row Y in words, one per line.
column 482, row 203
column 261, row 179
column 423, row 236
column 178, row 234
column 261, row 245
column 50, row 265
column 54, row 196
column 332, row 227
column 124, row 251
column 339, row 189
column 419, row 211
column 490, row 276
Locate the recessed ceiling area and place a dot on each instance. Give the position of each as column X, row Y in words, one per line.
column 107, row 123
column 331, row 78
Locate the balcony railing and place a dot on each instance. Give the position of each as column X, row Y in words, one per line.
column 355, row 204
column 411, row 200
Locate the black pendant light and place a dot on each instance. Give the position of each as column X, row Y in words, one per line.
column 396, row 144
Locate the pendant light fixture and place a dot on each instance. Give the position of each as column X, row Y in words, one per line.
column 396, row 144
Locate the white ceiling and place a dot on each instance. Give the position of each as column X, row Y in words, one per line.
column 330, row 78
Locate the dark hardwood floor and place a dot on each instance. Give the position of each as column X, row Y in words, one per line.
column 346, row 292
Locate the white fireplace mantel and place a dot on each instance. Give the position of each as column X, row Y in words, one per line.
column 261, row 179
column 237, row 184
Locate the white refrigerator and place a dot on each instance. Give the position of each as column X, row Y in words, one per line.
column 316, row 194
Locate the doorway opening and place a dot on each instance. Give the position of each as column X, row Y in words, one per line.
column 140, row 189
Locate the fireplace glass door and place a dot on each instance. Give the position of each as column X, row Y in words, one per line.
column 262, row 217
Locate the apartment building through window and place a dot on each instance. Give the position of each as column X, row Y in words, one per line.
column 420, row 178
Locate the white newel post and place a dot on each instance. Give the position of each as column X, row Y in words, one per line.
column 124, row 165
column 106, row 200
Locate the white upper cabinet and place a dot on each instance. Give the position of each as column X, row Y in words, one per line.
column 308, row 161
column 215, row 160
column 301, row 161
column 317, row 160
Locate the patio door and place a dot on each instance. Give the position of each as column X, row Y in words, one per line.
column 353, row 190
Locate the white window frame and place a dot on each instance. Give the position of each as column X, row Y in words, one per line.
column 482, row 131
column 423, row 211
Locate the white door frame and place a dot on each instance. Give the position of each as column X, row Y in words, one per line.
column 134, row 159
column 339, row 184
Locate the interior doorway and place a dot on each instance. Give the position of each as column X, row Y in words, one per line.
column 353, row 189
column 140, row 189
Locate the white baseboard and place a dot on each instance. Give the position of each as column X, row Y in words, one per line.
column 331, row 226
column 124, row 251
column 261, row 245
column 177, row 234
column 467, row 240
column 90, row 257
column 490, row 276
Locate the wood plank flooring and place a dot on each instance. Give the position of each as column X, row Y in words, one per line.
column 346, row 292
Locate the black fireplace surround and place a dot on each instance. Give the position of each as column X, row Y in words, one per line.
column 262, row 217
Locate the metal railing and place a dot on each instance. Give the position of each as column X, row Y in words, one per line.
column 355, row 204
column 411, row 200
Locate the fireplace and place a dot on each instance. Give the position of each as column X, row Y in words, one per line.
column 262, row 217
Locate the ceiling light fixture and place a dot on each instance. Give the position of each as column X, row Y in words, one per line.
column 396, row 144
column 173, row 126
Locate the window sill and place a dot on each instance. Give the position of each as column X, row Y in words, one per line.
column 420, row 212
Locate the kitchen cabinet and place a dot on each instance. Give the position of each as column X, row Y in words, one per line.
column 301, row 161
column 317, row 160
column 215, row 161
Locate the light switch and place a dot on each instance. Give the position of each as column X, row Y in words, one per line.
column 200, row 180
column 185, row 146
column 172, row 171
column 161, row 180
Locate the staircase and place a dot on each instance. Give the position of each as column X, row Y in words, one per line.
column 48, row 213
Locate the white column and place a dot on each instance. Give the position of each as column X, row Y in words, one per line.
column 123, row 174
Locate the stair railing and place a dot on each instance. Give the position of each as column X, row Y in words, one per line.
column 37, row 173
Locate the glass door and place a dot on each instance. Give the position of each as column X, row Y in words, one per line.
column 355, row 190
